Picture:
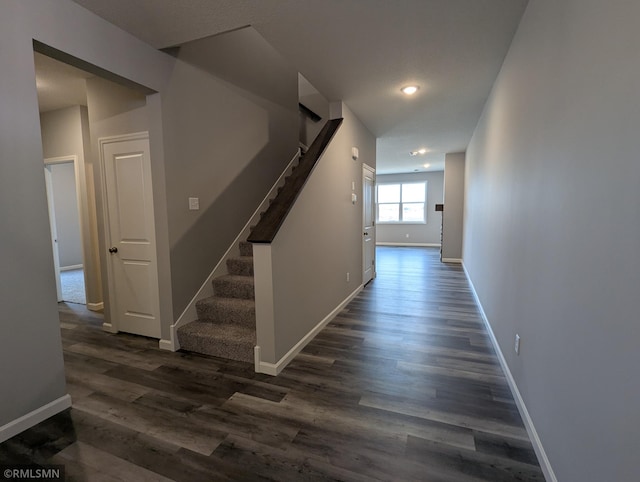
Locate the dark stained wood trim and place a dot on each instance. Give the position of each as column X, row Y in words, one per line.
column 268, row 226
column 309, row 113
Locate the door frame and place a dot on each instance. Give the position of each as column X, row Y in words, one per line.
column 110, row 323
column 366, row 168
column 50, row 161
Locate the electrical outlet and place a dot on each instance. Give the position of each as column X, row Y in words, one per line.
column 348, row 276
column 194, row 203
column 517, row 344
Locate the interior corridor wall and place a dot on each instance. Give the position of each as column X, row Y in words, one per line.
column 316, row 246
column 66, row 132
column 552, row 233
column 231, row 123
column 31, row 363
column 453, row 214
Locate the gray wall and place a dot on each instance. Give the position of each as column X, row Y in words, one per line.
column 32, row 366
column 311, row 259
column 418, row 233
column 231, row 126
column 311, row 98
column 552, row 232
column 452, row 223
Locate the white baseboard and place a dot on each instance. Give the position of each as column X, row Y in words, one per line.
column 108, row 327
column 33, row 418
column 275, row 368
column 451, row 260
column 545, row 465
column 427, row 245
column 95, row 306
column 70, row 267
column 169, row 345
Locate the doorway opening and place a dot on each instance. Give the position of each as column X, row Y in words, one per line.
column 79, row 110
column 61, row 177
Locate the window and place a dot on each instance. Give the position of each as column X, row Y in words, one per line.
column 402, row 203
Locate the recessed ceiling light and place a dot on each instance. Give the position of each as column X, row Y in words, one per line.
column 427, row 165
column 421, row 151
column 410, row 89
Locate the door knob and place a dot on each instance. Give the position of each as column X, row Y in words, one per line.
column 366, row 234
column 113, row 250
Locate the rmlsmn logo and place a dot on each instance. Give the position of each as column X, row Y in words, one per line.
column 53, row 473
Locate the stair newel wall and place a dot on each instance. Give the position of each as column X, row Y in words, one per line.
column 265, row 315
column 301, row 275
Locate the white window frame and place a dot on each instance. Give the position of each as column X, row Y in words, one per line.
column 400, row 203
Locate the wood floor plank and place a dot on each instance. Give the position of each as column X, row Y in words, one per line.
column 403, row 385
column 115, row 355
column 98, row 461
column 176, row 430
column 469, row 462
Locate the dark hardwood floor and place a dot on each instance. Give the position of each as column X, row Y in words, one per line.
column 403, row 385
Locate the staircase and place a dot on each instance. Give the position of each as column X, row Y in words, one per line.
column 226, row 325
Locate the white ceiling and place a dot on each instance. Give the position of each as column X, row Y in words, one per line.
column 362, row 52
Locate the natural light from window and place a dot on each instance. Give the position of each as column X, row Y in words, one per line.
column 402, row 202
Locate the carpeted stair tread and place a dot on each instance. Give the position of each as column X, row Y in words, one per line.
column 225, row 340
column 233, row 286
column 242, row 265
column 227, row 310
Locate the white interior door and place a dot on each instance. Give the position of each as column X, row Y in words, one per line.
column 54, row 234
column 132, row 264
column 368, row 228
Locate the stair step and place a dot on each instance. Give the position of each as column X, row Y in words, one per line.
column 246, row 248
column 227, row 310
column 224, row 340
column 233, row 286
column 242, row 266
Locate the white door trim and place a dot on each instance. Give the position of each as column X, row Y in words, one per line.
column 54, row 232
column 52, row 217
column 366, row 168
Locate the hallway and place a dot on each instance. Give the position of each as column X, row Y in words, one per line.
column 402, row 385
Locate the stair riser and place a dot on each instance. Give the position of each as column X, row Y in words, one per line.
column 222, row 314
column 240, row 266
column 229, row 349
column 224, row 288
column 246, row 249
